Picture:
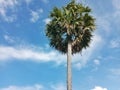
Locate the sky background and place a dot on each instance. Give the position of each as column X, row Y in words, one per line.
column 28, row 63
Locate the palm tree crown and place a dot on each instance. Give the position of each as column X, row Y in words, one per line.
column 73, row 23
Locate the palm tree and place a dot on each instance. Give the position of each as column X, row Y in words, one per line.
column 69, row 31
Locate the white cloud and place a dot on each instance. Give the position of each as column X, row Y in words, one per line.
column 6, row 53
column 97, row 62
column 99, row 88
column 35, row 54
column 35, row 87
column 4, row 6
column 36, row 15
column 116, row 14
column 59, row 86
column 9, row 18
column 47, row 20
column 6, row 3
column 115, row 43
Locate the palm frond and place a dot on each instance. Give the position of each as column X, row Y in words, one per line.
column 73, row 23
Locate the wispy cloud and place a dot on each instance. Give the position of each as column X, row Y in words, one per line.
column 35, row 15
column 35, row 87
column 28, row 1
column 99, row 88
column 8, row 39
column 4, row 6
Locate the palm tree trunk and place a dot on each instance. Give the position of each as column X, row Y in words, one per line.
column 69, row 68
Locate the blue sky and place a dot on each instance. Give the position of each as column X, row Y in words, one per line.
column 28, row 63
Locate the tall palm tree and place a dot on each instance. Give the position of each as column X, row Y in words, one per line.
column 69, row 31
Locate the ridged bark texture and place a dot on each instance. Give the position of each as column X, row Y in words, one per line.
column 69, row 68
